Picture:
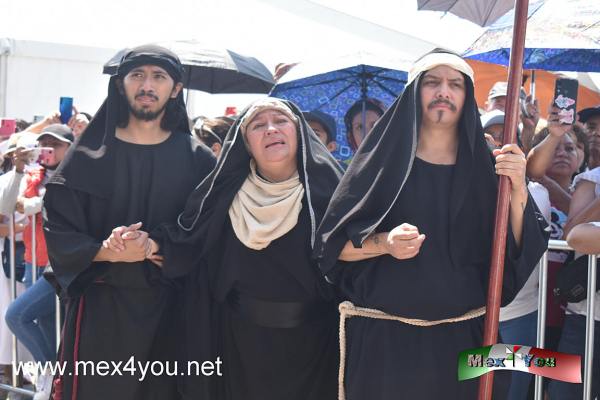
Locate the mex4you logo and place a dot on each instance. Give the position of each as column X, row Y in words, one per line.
column 550, row 364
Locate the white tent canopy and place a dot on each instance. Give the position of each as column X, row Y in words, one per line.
column 58, row 47
column 271, row 30
column 34, row 75
column 81, row 36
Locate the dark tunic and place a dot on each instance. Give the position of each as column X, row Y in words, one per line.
column 116, row 311
column 393, row 360
column 268, row 314
column 262, row 363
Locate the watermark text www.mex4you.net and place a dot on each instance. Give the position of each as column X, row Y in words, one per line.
column 131, row 367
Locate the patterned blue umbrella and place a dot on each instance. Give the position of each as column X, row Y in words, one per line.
column 562, row 35
column 334, row 91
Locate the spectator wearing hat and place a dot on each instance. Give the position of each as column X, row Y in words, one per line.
column 324, row 126
column 493, row 127
column 26, row 195
column 590, row 118
column 32, row 315
column 529, row 111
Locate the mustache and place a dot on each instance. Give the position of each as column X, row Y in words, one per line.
column 441, row 101
column 143, row 93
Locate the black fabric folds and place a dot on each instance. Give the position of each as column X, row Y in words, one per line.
column 381, row 166
column 151, row 54
column 454, row 205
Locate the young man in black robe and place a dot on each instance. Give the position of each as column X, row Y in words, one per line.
column 412, row 223
column 135, row 164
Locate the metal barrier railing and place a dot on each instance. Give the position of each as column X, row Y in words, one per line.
column 13, row 295
column 540, row 342
column 541, row 322
column 589, row 323
column 34, row 271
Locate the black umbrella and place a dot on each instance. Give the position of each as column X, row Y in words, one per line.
column 212, row 70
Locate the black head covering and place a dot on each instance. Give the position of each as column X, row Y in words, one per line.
column 89, row 164
column 588, row 113
column 382, row 165
column 325, row 120
column 208, row 206
column 150, row 54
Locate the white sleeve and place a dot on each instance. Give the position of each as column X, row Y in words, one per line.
column 542, row 198
column 592, row 175
column 10, row 184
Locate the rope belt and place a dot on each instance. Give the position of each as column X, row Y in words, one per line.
column 347, row 310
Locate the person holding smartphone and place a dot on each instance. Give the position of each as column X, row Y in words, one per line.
column 77, row 122
column 31, row 317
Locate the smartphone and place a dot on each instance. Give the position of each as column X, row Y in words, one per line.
column 66, row 109
column 523, row 102
column 565, row 98
column 46, row 156
column 8, row 126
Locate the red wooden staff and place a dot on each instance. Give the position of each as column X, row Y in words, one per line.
column 515, row 72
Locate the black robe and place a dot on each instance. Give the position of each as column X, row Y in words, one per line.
column 385, row 358
column 115, row 311
column 259, row 361
column 378, row 192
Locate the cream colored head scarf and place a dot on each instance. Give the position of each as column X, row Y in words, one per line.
column 263, row 211
column 433, row 60
column 269, row 103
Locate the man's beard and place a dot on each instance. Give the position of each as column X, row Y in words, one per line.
column 440, row 116
column 143, row 114
column 440, row 113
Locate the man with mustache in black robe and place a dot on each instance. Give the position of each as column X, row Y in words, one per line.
column 411, row 223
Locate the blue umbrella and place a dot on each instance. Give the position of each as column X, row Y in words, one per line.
column 335, row 87
column 562, row 35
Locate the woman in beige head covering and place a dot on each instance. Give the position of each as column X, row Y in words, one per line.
column 245, row 237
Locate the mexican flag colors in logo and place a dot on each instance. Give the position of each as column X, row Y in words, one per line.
column 549, row 364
